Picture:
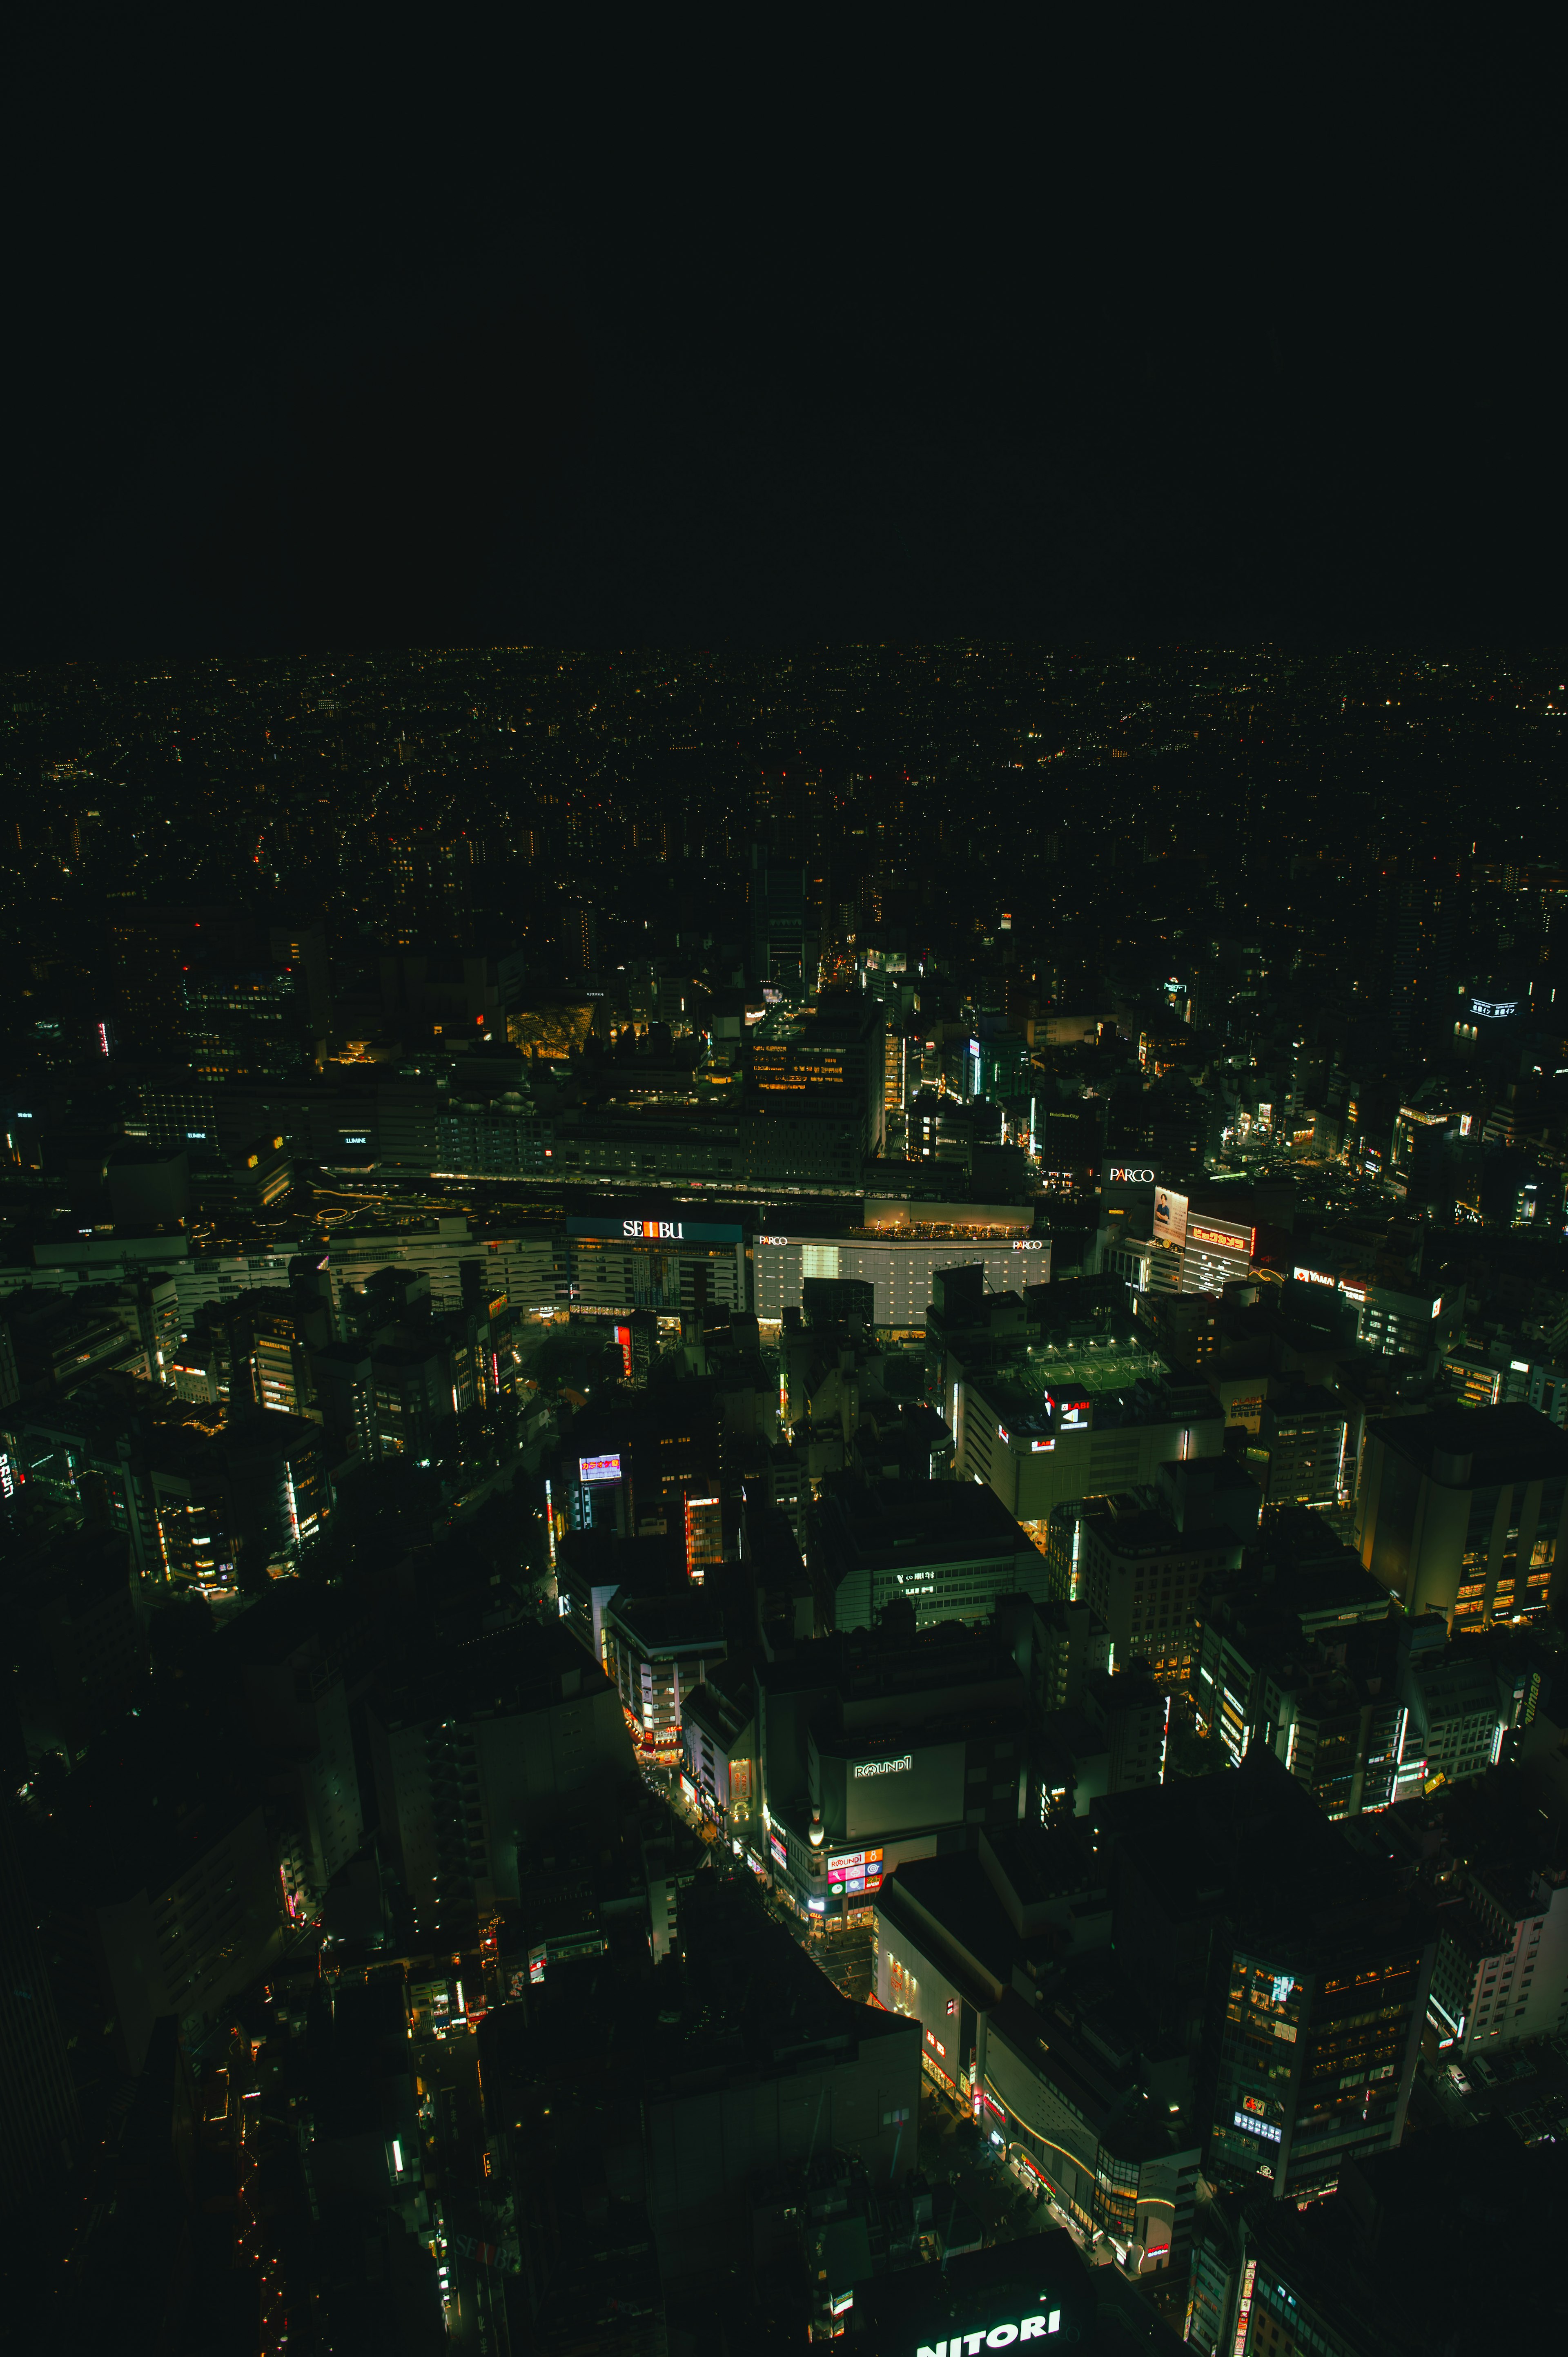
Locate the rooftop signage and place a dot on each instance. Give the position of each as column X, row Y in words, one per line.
column 657, row 1231
column 883, row 1767
column 995, row 2336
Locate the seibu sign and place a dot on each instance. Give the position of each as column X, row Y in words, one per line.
column 995, row 2336
column 661, row 1231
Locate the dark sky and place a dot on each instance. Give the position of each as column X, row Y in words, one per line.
column 337, row 354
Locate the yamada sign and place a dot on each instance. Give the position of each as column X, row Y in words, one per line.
column 995, row 2336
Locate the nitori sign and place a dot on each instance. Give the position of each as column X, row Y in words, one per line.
column 995, row 2336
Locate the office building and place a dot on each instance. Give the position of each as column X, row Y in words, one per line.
column 1300, row 1455
column 1305, row 1960
column 785, row 948
column 1143, row 1557
column 718, row 1733
column 827, row 1056
column 476, row 1748
column 1500, row 1976
column 1458, row 1512
column 948, row 1550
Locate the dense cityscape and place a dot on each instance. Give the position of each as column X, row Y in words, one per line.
column 782, row 1442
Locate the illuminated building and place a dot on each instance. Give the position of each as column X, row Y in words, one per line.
column 658, row 1651
column 1299, row 1455
column 900, row 1264
column 718, row 1726
column 1259, row 1634
column 519, row 1264
column 1459, row 1511
column 1080, row 1422
column 843, row 1800
column 826, row 1056
column 1304, row 1959
column 663, row 1264
column 1142, row 1575
column 999, row 1954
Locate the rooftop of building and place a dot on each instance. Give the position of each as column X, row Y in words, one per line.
column 684, row 1620
column 501, row 1674
column 886, row 1525
column 1134, row 1526
column 1473, row 1447
column 893, row 1659
column 742, row 2001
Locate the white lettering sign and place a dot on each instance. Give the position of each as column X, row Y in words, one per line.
column 1119, row 1175
column 658, row 1230
column 995, row 2336
column 883, row 1767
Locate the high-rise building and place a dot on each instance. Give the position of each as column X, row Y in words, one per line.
column 784, row 949
column 1306, row 1962
column 1459, row 1511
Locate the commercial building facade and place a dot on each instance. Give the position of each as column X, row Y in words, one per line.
column 1460, row 1511
column 899, row 1268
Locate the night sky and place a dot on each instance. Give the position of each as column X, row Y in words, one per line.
column 325, row 348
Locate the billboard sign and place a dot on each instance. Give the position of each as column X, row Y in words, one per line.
column 1223, row 1239
column 600, row 1468
column 1170, row 1215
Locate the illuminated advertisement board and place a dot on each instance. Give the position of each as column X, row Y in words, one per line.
column 1223, row 1239
column 1129, row 1174
column 599, row 1468
column 1170, row 1215
column 1071, row 1408
column 781, row 1854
